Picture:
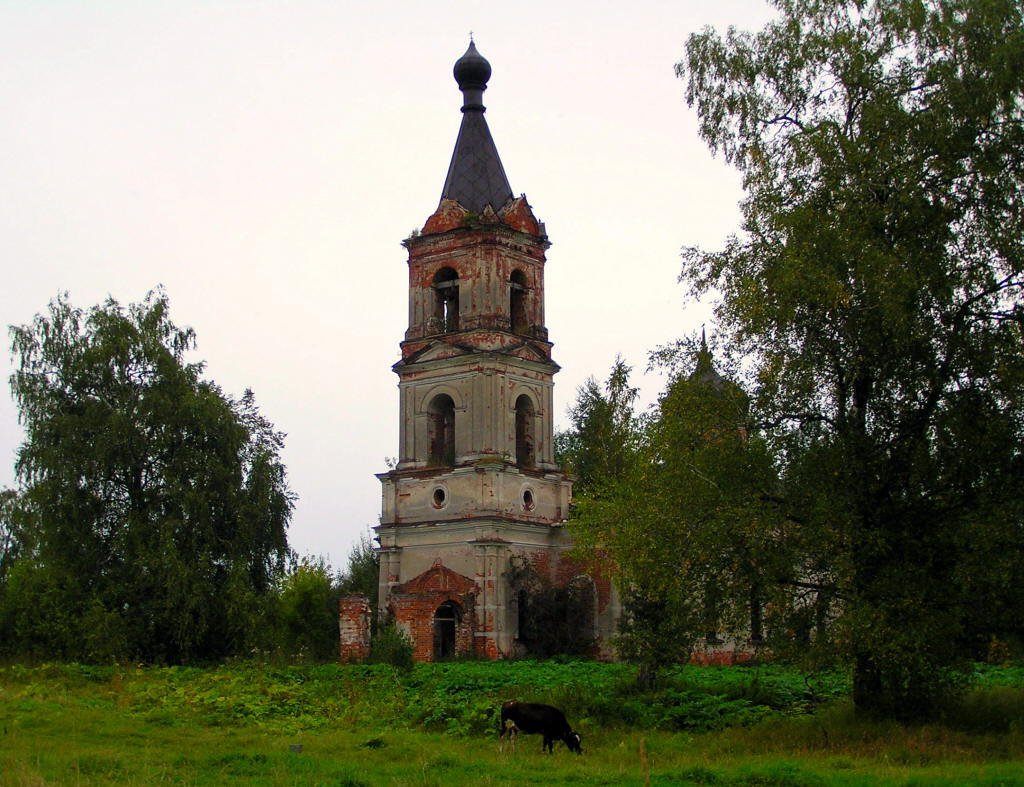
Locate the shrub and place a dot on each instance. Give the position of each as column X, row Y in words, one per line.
column 391, row 645
column 307, row 610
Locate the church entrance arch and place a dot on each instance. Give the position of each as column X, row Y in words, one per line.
column 446, row 622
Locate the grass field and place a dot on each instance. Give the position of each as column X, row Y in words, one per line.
column 257, row 724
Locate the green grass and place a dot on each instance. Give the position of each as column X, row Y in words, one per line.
column 70, row 724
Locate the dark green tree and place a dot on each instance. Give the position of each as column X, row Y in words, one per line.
column 306, row 620
column 685, row 526
column 308, row 612
column 10, row 514
column 604, row 430
column 158, row 506
column 362, row 572
column 875, row 294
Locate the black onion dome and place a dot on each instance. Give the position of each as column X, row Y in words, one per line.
column 472, row 70
column 476, row 178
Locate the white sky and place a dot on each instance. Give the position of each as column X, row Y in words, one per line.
column 264, row 160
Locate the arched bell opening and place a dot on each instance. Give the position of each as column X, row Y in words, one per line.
column 446, row 300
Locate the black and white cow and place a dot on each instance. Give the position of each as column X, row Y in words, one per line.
column 531, row 718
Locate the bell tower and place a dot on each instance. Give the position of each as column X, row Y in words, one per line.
column 476, row 483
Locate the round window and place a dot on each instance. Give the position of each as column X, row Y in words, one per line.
column 527, row 500
column 440, row 497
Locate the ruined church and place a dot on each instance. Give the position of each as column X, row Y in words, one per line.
column 473, row 514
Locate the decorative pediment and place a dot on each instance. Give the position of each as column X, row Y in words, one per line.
column 449, row 215
column 515, row 213
column 438, row 579
column 528, row 351
column 438, row 351
column 518, row 215
column 477, row 342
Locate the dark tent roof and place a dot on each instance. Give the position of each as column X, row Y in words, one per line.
column 705, row 372
column 475, row 175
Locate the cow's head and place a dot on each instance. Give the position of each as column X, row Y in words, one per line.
column 574, row 742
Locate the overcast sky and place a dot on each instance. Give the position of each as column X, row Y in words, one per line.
column 264, row 160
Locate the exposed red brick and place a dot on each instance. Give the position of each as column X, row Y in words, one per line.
column 414, row 603
column 721, row 658
column 354, row 627
column 438, row 579
column 560, row 570
column 449, row 215
column 519, row 216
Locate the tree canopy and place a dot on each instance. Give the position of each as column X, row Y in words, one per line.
column 604, row 430
column 683, row 523
column 361, row 573
column 154, row 507
column 9, row 528
column 874, row 293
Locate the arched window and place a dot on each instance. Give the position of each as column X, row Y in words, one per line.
column 446, row 622
column 524, row 431
column 441, row 430
column 446, row 300
column 517, row 302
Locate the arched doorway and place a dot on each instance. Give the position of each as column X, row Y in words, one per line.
column 446, row 623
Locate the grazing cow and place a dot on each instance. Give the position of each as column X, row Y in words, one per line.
column 531, row 718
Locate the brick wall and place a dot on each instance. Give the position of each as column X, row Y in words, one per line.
column 415, row 614
column 413, row 604
column 354, row 627
column 560, row 570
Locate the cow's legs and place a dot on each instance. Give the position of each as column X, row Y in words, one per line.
column 508, row 727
